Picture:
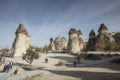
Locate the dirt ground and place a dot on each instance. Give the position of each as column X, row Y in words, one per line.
column 97, row 72
column 106, row 71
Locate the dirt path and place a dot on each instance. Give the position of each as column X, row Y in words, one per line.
column 51, row 76
column 78, row 74
column 52, row 72
column 95, row 72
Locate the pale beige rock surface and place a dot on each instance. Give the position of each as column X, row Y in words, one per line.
column 21, row 42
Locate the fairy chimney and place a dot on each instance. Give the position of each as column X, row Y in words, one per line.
column 60, row 43
column 21, row 41
column 75, row 41
column 91, row 42
column 103, row 38
column 52, row 45
column 103, row 28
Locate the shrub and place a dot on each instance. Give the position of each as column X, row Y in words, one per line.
column 116, row 54
column 108, row 55
column 60, row 63
column 117, row 61
column 93, row 57
column 102, row 55
column 30, row 55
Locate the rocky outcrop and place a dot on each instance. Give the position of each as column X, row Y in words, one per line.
column 21, row 42
column 117, row 37
column 60, row 43
column 103, row 38
column 75, row 41
column 52, row 45
column 91, row 42
column 45, row 48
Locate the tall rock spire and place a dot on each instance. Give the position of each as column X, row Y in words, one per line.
column 72, row 31
column 102, row 28
column 75, row 42
column 21, row 42
column 103, row 38
column 92, row 33
column 21, row 29
column 52, row 44
column 79, row 32
column 91, row 42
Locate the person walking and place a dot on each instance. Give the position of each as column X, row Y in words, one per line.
column 11, row 64
column 46, row 60
column 5, row 68
column 74, row 63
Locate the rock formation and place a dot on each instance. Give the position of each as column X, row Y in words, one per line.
column 116, row 37
column 52, row 45
column 102, row 38
column 21, row 42
column 75, row 41
column 81, row 43
column 91, row 42
column 60, row 43
column 45, row 48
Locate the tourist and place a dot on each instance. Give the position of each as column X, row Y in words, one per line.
column 46, row 60
column 74, row 63
column 5, row 68
column 11, row 64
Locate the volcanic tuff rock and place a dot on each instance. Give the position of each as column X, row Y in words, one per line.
column 75, row 41
column 103, row 38
column 91, row 42
column 21, row 42
column 60, row 43
column 52, row 45
column 117, row 37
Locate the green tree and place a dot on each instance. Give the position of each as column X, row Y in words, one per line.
column 30, row 55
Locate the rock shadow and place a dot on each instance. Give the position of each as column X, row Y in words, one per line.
column 85, row 75
column 67, row 59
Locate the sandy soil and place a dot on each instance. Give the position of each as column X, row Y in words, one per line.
column 83, row 73
column 51, row 76
column 51, row 72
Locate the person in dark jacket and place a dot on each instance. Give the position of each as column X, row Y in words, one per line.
column 5, row 68
column 46, row 60
column 74, row 63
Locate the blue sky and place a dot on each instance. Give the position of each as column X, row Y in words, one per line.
column 44, row 19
